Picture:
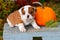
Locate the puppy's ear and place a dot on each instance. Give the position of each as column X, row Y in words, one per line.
column 22, row 10
column 34, row 8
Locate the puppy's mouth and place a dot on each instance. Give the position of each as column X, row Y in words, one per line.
column 29, row 20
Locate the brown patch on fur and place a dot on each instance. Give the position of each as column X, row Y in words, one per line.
column 22, row 10
column 31, row 10
column 15, row 18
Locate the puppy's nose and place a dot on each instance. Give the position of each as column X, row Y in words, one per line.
column 27, row 16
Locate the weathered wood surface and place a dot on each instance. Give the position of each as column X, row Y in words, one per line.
column 45, row 33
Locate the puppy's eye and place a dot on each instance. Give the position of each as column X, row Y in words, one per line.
column 31, row 12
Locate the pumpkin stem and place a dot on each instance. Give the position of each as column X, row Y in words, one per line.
column 36, row 4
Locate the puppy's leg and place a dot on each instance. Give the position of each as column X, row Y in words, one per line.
column 21, row 27
column 9, row 23
column 35, row 25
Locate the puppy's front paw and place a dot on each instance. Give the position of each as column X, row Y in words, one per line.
column 23, row 30
column 36, row 27
column 21, row 27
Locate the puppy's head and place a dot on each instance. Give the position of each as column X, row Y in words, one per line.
column 28, row 12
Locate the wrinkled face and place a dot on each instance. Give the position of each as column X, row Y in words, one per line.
column 28, row 13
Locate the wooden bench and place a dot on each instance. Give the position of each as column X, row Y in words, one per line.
column 45, row 33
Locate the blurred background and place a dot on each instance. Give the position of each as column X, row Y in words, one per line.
column 8, row 6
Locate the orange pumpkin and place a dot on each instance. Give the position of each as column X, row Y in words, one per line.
column 44, row 15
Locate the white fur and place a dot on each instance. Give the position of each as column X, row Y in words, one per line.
column 24, row 17
column 9, row 23
column 21, row 27
column 35, row 25
column 25, row 20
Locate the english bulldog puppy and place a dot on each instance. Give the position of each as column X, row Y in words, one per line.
column 21, row 17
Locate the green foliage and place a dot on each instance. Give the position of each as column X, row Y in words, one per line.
column 6, row 8
column 56, row 8
column 52, row 24
column 1, row 33
column 42, row 1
